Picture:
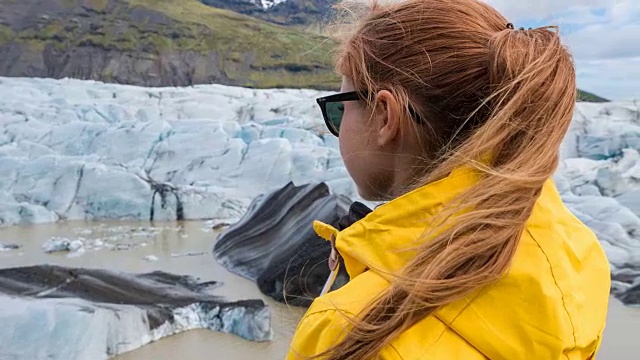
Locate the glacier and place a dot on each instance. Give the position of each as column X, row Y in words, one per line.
column 74, row 150
column 83, row 150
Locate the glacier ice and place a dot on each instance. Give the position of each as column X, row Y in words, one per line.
column 151, row 258
column 105, row 313
column 59, row 244
column 72, row 149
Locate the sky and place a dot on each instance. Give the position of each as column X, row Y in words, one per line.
column 603, row 36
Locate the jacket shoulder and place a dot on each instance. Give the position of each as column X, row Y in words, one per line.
column 353, row 296
column 327, row 321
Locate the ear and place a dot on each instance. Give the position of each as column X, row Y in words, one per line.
column 387, row 117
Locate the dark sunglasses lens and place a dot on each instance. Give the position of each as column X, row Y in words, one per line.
column 335, row 111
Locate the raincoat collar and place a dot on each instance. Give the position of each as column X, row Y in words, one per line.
column 382, row 240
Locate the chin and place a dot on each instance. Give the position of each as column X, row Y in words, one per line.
column 371, row 195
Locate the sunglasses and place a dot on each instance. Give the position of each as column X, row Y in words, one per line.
column 333, row 109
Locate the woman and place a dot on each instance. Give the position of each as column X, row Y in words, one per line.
column 456, row 118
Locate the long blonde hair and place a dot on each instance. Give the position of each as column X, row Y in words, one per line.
column 497, row 99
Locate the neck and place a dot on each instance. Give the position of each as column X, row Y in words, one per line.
column 409, row 169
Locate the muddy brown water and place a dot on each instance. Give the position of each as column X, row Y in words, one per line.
column 186, row 249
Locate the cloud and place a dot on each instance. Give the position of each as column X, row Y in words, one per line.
column 544, row 9
column 615, row 35
column 605, row 41
column 603, row 35
column 616, row 79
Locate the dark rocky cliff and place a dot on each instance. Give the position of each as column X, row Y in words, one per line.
column 157, row 43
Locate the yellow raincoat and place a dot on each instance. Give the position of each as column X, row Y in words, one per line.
column 551, row 304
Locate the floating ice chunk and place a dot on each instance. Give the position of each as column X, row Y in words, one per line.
column 191, row 253
column 61, row 244
column 9, row 247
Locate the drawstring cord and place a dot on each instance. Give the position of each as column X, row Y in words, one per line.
column 334, row 266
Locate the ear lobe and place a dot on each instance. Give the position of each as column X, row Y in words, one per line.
column 388, row 114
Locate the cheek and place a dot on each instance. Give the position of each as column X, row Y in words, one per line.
column 368, row 167
column 351, row 136
column 355, row 150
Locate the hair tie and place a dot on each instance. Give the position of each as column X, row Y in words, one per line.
column 510, row 26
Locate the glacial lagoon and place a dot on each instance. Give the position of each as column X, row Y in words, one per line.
column 185, row 248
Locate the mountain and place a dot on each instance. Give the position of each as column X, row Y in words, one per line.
column 301, row 13
column 589, row 97
column 158, row 43
column 251, row 43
